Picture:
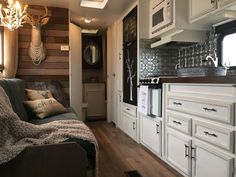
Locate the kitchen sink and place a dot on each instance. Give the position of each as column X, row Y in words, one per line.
column 201, row 71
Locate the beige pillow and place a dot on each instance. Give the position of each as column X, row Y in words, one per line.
column 45, row 107
column 38, row 94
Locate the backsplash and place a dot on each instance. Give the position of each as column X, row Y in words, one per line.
column 156, row 61
column 194, row 55
column 162, row 61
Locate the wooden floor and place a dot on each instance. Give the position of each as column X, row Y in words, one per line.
column 119, row 153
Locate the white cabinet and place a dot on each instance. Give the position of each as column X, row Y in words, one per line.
column 200, row 129
column 209, row 12
column 151, row 134
column 129, row 120
column 208, row 162
column 119, row 110
column 95, row 98
column 201, row 7
column 178, row 151
column 223, row 3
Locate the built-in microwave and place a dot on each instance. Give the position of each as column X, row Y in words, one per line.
column 161, row 14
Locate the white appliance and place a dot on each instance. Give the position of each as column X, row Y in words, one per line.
column 149, row 100
column 161, row 14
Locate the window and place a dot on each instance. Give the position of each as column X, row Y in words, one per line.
column 1, row 49
column 226, row 44
column 228, row 50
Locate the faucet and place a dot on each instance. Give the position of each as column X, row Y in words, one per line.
column 213, row 60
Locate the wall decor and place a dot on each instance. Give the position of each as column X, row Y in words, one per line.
column 37, row 18
column 130, row 58
column 92, row 52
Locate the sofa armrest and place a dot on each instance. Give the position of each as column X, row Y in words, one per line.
column 56, row 160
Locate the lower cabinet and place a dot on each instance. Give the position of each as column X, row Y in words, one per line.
column 209, row 162
column 129, row 120
column 178, row 151
column 196, row 158
column 151, row 134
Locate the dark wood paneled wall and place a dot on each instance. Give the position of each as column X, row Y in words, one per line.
column 56, row 65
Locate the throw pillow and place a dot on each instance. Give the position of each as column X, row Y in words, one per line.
column 45, row 107
column 38, row 94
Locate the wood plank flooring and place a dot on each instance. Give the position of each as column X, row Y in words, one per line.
column 119, row 153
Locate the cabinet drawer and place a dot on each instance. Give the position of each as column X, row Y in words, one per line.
column 129, row 110
column 179, row 122
column 213, row 134
column 219, row 111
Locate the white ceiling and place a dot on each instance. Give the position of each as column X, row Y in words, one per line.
column 101, row 18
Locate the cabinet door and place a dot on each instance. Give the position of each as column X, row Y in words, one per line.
column 119, row 111
column 178, row 151
column 129, row 125
column 208, row 162
column 151, row 134
column 95, row 97
column 223, row 3
column 201, row 7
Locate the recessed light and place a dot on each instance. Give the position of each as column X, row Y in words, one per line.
column 89, row 31
column 87, row 20
column 98, row 4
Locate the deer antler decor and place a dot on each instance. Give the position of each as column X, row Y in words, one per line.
column 13, row 15
column 36, row 18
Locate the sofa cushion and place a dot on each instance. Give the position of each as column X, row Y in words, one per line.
column 38, row 94
column 15, row 89
column 45, row 107
column 64, row 116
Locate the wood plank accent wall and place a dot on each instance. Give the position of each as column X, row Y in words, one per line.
column 56, row 65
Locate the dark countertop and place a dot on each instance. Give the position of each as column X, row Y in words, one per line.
column 211, row 79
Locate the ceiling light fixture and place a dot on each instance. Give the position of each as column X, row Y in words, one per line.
column 12, row 16
column 86, row 20
column 97, row 4
column 89, row 31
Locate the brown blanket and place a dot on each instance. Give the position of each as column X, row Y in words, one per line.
column 16, row 135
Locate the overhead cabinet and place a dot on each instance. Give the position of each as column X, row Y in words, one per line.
column 208, row 12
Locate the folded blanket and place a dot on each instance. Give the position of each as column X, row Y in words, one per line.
column 16, row 135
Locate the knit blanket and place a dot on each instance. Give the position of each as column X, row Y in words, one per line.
column 16, row 135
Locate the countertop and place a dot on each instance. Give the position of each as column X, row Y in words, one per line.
column 211, row 79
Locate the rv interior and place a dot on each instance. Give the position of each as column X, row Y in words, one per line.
column 117, row 88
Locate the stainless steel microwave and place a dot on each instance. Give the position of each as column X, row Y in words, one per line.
column 161, row 14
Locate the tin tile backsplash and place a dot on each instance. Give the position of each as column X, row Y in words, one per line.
column 162, row 61
column 156, row 61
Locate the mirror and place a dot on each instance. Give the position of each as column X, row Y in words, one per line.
column 91, row 54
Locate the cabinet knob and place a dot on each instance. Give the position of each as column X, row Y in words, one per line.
column 133, row 125
column 210, row 109
column 212, row 1
column 157, row 128
column 186, row 147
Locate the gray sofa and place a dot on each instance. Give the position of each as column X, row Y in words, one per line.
column 68, row 159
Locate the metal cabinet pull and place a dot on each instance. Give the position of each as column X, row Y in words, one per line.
column 212, row 1
column 186, row 150
column 133, row 125
column 127, row 109
column 157, row 129
column 176, row 122
column 210, row 134
column 177, row 103
column 208, row 109
column 192, row 153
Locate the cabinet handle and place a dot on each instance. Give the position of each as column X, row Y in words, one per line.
column 177, row 103
column 133, row 125
column 186, row 150
column 212, row 1
column 157, row 129
column 211, row 134
column 127, row 109
column 208, row 109
column 176, row 122
column 192, row 153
